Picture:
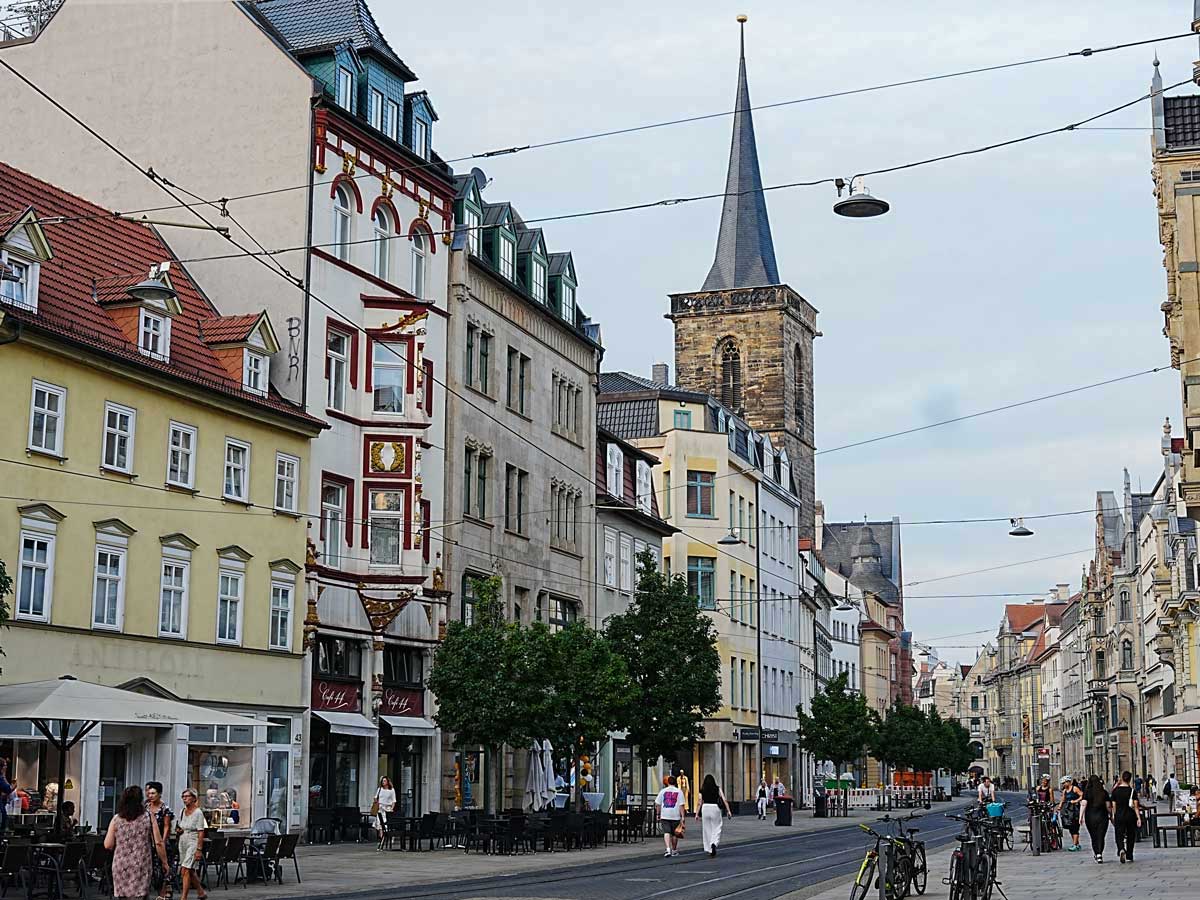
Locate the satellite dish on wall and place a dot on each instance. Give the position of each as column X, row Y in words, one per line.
column 481, row 179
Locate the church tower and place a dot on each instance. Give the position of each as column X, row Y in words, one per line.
column 745, row 337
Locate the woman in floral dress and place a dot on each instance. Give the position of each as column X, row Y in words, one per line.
column 131, row 835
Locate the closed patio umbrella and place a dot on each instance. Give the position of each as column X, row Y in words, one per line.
column 534, row 779
column 70, row 702
column 549, row 791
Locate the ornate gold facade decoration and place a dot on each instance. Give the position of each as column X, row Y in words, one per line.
column 312, row 619
column 382, row 611
column 349, row 163
column 388, row 188
column 395, row 450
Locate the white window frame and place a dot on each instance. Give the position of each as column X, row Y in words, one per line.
column 29, row 285
column 280, row 588
column 283, row 480
column 50, row 538
column 626, row 564
column 244, row 497
column 473, row 223
column 537, row 281
column 567, row 302
column 190, row 454
column 345, row 88
column 338, row 366
column 397, row 515
column 420, row 137
column 392, row 120
column 343, row 222
column 154, row 334
column 418, row 265
column 334, row 537
column 616, row 472
column 645, row 486
column 391, row 358
column 112, row 547
column 375, row 108
column 508, row 251
column 129, row 435
column 256, row 371
column 59, row 416
column 178, row 559
column 385, row 232
column 235, row 570
column 610, row 557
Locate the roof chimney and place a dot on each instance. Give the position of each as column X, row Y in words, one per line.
column 660, row 373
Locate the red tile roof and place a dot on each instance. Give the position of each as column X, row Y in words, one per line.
column 113, row 254
column 227, row 329
column 1022, row 616
column 9, row 217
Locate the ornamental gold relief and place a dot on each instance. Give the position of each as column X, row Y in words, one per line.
column 387, row 456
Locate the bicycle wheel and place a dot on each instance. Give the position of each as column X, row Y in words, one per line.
column 985, row 873
column 1008, row 837
column 899, row 877
column 865, row 881
column 957, row 879
column 920, row 869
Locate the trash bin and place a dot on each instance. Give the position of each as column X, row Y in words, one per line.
column 783, row 811
column 821, row 802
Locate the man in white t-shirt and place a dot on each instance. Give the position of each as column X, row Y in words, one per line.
column 987, row 790
column 670, row 804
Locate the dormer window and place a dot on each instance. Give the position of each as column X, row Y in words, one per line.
column 420, row 138
column 375, row 109
column 472, row 219
column 568, row 302
column 392, row 122
column 154, row 335
column 255, row 372
column 345, row 88
column 507, row 254
column 538, row 281
column 17, row 282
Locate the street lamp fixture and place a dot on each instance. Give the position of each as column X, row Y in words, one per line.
column 859, row 203
column 1019, row 529
column 730, row 540
column 153, row 289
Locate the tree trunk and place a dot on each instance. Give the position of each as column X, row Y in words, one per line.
column 495, row 776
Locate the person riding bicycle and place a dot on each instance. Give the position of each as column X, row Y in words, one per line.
column 1070, row 796
column 987, row 790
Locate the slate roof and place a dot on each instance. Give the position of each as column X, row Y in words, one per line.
column 838, row 539
column 745, row 253
column 528, row 239
column 493, row 213
column 1182, row 120
column 560, row 263
column 111, row 251
column 310, row 25
column 628, row 419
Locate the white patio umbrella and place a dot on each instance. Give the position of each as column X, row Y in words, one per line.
column 68, row 701
column 534, row 779
column 549, row 791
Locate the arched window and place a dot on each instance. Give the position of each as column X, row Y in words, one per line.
column 1123, row 607
column 1126, row 655
column 798, row 381
column 731, row 377
column 418, row 265
column 341, row 222
column 384, row 232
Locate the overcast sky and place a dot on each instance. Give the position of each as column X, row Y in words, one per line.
column 994, row 279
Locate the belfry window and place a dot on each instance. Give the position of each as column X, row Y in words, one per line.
column 731, row 377
column 798, row 382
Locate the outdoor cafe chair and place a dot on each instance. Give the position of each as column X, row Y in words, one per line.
column 74, row 866
column 287, row 850
column 263, row 857
column 97, row 867
column 213, row 852
column 234, row 847
column 16, row 866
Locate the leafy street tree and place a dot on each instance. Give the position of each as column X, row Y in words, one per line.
column 840, row 725
column 899, row 735
column 669, row 648
column 957, row 747
column 489, row 693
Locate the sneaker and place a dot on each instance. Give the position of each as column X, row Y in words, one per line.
column 674, row 852
column 668, row 853
column 1099, row 858
column 1122, row 857
column 712, row 850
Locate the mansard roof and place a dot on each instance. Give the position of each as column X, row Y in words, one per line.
column 312, row 25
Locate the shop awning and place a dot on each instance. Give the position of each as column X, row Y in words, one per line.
column 412, row 726
column 1177, row 722
column 351, row 724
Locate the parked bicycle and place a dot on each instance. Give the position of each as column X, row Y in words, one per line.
column 1051, row 831
column 905, row 857
column 973, row 864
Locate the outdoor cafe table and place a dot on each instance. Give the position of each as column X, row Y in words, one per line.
column 1161, row 828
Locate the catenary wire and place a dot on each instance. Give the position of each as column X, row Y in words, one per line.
column 508, row 151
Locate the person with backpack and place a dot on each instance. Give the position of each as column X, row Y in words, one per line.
column 1070, row 797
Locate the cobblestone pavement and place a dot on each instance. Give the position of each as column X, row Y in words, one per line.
column 1170, row 873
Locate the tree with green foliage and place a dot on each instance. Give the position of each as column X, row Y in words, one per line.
column 899, row 736
column 958, row 755
column 838, row 726
column 669, row 646
column 486, row 678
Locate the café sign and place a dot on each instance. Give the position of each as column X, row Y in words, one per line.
column 402, row 702
column 336, row 696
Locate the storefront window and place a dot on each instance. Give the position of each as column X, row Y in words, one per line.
column 222, row 777
column 469, row 768
column 403, row 665
column 345, row 771
column 338, row 656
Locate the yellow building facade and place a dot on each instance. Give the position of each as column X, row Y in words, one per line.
column 153, row 521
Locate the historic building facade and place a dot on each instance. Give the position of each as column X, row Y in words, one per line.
column 162, row 542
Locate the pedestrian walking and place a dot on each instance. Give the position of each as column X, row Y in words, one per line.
column 1170, row 788
column 1070, row 797
column 191, row 844
column 1126, row 816
column 132, row 837
column 385, row 804
column 1097, row 811
column 1137, row 785
column 1151, row 787
column 762, row 799
column 163, row 876
column 712, row 800
column 669, row 805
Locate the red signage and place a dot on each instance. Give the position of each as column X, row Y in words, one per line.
column 402, row 702
column 336, row 696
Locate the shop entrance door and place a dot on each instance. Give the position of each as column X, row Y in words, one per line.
column 403, row 767
column 112, row 781
column 278, row 765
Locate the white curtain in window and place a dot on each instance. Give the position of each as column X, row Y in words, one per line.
column 643, row 486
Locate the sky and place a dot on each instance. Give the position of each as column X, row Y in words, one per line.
column 995, row 278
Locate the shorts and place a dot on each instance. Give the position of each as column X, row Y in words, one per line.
column 668, row 825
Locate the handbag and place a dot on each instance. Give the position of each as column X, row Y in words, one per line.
column 679, row 829
column 375, row 807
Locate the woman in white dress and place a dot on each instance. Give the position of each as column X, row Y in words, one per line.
column 191, row 824
column 385, row 799
column 712, row 799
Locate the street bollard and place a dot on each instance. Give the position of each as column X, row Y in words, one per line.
column 884, row 870
column 1035, row 833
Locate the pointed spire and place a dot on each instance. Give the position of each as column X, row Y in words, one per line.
column 745, row 254
column 1158, row 113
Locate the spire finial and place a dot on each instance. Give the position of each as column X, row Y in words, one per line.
column 742, row 19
